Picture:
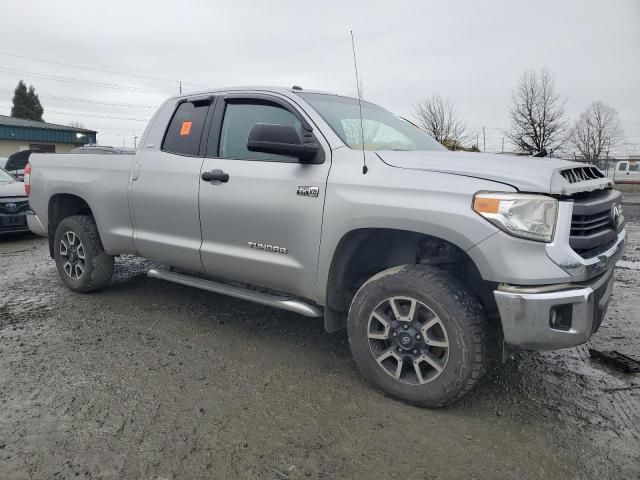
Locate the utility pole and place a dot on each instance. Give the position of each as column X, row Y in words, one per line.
column 502, row 144
column 484, row 140
column 135, row 142
column 180, row 82
column 477, row 142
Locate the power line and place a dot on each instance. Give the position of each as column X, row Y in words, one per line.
column 94, row 115
column 87, row 68
column 60, row 78
column 101, row 70
column 99, row 116
column 87, row 100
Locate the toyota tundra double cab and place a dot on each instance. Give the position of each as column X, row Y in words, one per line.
column 303, row 201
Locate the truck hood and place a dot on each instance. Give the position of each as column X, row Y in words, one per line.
column 526, row 174
column 12, row 189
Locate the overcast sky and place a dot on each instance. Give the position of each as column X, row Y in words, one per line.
column 472, row 52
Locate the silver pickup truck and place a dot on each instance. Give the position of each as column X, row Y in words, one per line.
column 302, row 201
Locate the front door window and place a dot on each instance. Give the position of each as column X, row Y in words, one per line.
column 238, row 120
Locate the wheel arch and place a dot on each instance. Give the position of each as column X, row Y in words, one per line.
column 61, row 206
column 364, row 252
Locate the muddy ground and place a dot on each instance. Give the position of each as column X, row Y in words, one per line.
column 152, row 380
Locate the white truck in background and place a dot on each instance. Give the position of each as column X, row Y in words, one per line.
column 626, row 171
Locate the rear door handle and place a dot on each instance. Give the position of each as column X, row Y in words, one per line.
column 218, row 175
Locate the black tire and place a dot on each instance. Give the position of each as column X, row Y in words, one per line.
column 97, row 266
column 446, row 304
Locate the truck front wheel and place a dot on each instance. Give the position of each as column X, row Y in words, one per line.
column 418, row 334
column 80, row 258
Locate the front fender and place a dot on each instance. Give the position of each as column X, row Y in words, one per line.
column 429, row 203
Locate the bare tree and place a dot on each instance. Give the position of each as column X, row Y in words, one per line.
column 596, row 130
column 439, row 118
column 537, row 114
column 367, row 132
column 360, row 133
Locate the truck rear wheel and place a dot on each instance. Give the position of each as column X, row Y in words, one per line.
column 418, row 334
column 80, row 258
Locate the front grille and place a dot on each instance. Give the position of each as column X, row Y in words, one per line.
column 581, row 174
column 21, row 206
column 592, row 230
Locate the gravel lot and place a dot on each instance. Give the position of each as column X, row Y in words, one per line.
column 152, row 380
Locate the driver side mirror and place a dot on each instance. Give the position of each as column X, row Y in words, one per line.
column 281, row 140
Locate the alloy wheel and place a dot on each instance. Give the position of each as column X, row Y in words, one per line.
column 72, row 255
column 408, row 340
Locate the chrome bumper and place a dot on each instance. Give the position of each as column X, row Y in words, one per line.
column 555, row 316
column 35, row 225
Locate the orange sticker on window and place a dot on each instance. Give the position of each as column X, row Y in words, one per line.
column 185, row 129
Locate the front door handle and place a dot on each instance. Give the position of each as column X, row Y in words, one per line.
column 218, row 175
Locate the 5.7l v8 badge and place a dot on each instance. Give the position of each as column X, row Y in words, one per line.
column 307, row 191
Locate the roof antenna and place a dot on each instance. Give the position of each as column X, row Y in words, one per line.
column 365, row 169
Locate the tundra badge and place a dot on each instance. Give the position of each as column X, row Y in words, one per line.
column 268, row 248
column 307, row 191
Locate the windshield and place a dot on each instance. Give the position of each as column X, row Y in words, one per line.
column 381, row 130
column 5, row 177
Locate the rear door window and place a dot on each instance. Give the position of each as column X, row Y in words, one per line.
column 184, row 133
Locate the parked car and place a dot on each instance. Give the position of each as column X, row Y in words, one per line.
column 306, row 202
column 103, row 149
column 14, row 204
column 16, row 162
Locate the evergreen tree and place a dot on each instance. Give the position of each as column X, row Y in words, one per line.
column 26, row 103
column 35, row 104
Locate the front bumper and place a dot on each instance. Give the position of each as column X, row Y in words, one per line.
column 35, row 225
column 13, row 223
column 555, row 316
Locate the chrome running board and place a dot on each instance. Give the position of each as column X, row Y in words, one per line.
column 281, row 301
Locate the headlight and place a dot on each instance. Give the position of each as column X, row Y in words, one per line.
column 522, row 215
